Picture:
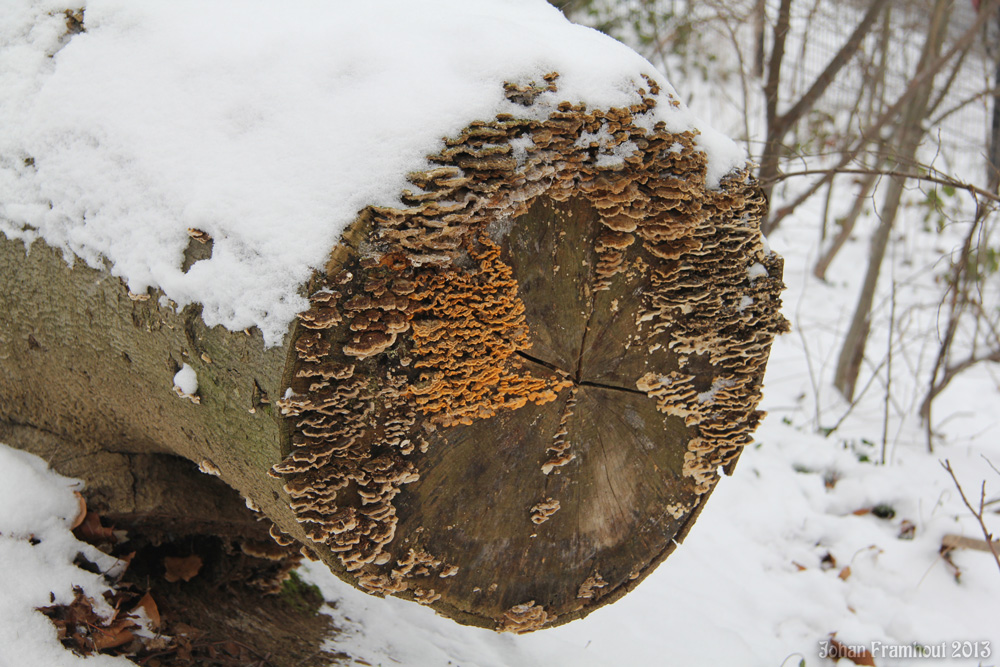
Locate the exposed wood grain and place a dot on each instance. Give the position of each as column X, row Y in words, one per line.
column 86, row 364
column 509, row 399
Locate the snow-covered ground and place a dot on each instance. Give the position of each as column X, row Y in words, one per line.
column 751, row 585
column 37, row 550
column 777, row 562
column 783, row 555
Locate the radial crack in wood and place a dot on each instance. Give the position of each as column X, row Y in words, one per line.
column 552, row 354
column 509, row 398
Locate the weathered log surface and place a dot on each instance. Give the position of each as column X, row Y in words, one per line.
column 509, row 400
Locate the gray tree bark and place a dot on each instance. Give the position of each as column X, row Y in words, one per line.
column 508, row 400
column 910, row 134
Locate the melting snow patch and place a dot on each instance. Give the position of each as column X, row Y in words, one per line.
column 756, row 271
column 520, row 146
column 37, row 554
column 709, row 396
column 186, row 383
column 767, row 246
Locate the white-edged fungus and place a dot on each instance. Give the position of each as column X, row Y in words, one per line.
column 209, row 468
column 541, row 512
column 523, row 618
column 590, row 588
column 432, row 286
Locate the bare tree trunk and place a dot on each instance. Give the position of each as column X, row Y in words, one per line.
column 958, row 285
column 887, row 117
column 846, row 226
column 909, row 137
column 509, row 399
column 876, row 101
column 778, row 126
column 759, row 26
column 993, row 155
column 772, row 146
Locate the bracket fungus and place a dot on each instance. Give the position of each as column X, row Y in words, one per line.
column 510, row 395
column 505, row 389
column 561, row 309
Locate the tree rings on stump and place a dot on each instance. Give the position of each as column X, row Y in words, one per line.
column 513, row 394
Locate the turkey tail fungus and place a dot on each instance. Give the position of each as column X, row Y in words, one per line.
column 543, row 361
column 511, row 395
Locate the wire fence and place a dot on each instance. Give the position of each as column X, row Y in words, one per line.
column 960, row 123
column 720, row 40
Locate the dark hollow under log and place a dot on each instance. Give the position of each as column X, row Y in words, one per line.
column 510, row 398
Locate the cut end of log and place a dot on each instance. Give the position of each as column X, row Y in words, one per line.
column 534, row 371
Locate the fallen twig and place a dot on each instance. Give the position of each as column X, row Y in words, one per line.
column 952, row 541
column 993, row 546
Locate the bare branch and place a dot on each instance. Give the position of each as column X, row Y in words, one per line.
column 971, row 361
column 989, row 92
column 889, row 115
column 978, row 514
column 962, row 542
column 990, row 464
column 846, row 227
column 930, row 178
column 774, row 64
column 829, row 73
column 943, row 92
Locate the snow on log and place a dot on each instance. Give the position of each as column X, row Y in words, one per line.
column 511, row 382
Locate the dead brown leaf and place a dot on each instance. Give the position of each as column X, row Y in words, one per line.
column 856, row 654
column 79, row 627
column 183, row 650
column 91, row 531
column 81, row 511
column 183, row 568
column 148, row 605
column 116, row 634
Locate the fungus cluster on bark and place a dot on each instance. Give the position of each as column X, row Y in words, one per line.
column 545, row 262
column 509, row 397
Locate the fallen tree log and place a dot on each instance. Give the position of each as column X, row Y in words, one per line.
column 509, row 398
